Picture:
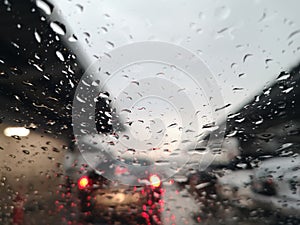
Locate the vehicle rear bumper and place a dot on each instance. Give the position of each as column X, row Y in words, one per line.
column 138, row 218
column 129, row 214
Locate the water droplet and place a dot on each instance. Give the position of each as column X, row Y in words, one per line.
column 222, row 12
column 288, row 90
column 60, row 56
column 104, row 95
column 209, row 125
column 80, row 99
column 172, row 125
column 199, row 30
column 96, row 83
column 126, row 110
column 15, row 44
column 80, row 7
column 17, row 97
column 58, row 28
column 104, row 29
column 110, row 45
column 46, row 77
column 55, row 150
column 283, row 76
column 72, row 38
column 12, row 156
column 262, row 17
column 37, row 36
column 26, row 152
column 16, row 71
column 36, row 55
column 87, row 35
column 222, row 30
column 8, row 168
column 45, row 6
column 239, row 120
column 199, row 52
column 16, row 137
column 227, row 105
column 135, row 82
column 246, row 57
column 293, row 34
column 265, row 136
column 232, row 133
column 108, row 114
column 242, row 165
column 237, row 89
column 162, row 162
column 126, row 137
column 231, row 116
column 259, row 121
column 267, row 61
column 233, row 65
column 160, row 74
column 281, row 104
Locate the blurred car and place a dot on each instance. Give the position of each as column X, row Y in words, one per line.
column 235, row 186
column 276, row 184
column 111, row 202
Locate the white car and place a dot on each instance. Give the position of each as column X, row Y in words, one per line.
column 276, row 184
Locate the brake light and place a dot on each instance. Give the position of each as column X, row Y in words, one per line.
column 154, row 180
column 83, row 182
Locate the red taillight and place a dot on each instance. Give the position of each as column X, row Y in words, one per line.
column 154, row 181
column 83, row 182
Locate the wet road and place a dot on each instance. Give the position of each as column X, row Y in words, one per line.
column 180, row 207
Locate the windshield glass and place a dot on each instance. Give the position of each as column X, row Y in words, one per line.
column 190, row 108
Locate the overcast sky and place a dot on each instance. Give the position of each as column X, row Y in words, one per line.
column 220, row 32
column 245, row 44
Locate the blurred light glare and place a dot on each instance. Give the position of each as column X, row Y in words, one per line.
column 83, row 182
column 16, row 131
column 155, row 181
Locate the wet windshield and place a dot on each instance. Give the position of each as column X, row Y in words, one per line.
column 161, row 112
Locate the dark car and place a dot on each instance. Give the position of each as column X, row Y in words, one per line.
column 112, row 202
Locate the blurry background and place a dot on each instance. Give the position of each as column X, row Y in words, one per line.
column 253, row 49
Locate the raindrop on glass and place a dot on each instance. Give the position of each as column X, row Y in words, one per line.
column 60, row 56
column 45, row 6
column 222, row 12
column 80, row 7
column 26, row 152
column 246, row 57
column 37, row 37
column 58, row 28
column 72, row 38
